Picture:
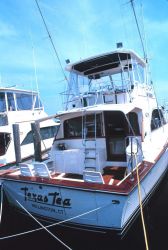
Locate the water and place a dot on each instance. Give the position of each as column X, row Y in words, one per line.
column 156, row 219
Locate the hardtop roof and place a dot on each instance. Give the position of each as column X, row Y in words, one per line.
column 103, row 63
column 15, row 90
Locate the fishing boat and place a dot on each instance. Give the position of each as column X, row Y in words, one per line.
column 110, row 152
column 22, row 107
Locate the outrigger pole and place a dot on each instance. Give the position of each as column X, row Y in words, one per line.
column 139, row 32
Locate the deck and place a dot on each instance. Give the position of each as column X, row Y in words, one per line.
column 114, row 180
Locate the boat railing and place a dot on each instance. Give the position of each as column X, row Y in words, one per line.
column 95, row 94
column 164, row 105
column 133, row 152
column 100, row 86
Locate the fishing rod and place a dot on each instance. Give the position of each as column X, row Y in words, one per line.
column 139, row 32
column 49, row 35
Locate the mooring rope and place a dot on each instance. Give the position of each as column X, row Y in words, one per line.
column 140, row 204
column 1, row 202
column 53, row 235
column 51, row 225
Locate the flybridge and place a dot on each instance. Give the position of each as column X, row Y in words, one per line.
column 106, row 78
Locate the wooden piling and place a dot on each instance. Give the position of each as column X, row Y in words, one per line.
column 17, row 147
column 37, row 141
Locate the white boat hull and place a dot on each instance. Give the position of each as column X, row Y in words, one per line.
column 93, row 209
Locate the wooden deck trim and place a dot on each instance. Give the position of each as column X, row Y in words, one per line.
column 123, row 187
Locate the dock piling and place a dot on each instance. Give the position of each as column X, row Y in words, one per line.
column 16, row 136
column 37, row 141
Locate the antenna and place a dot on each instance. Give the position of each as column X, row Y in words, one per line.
column 35, row 70
column 139, row 32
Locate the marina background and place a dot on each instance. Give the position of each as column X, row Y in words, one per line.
column 29, row 60
column 78, row 29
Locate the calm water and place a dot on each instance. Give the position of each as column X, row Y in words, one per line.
column 156, row 218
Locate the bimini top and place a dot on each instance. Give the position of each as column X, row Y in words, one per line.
column 105, row 64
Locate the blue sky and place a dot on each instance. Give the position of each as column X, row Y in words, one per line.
column 79, row 29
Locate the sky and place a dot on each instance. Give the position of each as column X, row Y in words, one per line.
column 79, row 29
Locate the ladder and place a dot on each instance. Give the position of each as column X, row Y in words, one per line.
column 89, row 141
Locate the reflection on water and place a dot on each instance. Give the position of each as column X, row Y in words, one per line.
column 156, row 219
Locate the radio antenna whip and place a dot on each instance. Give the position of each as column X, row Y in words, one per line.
column 49, row 35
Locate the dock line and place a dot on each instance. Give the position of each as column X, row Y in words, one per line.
column 1, row 205
column 51, row 225
column 140, row 204
column 48, row 231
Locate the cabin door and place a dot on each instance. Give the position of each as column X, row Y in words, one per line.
column 115, row 131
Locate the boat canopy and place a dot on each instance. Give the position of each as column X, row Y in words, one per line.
column 105, row 64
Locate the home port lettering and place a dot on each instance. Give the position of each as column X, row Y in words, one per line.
column 53, row 199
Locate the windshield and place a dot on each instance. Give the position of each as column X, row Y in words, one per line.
column 27, row 101
column 24, row 101
column 2, row 102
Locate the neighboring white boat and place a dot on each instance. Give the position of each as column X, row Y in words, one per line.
column 22, row 107
column 112, row 134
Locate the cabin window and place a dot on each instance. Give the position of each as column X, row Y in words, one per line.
column 4, row 142
column 133, row 119
column 141, row 73
column 157, row 119
column 2, row 102
column 38, row 104
column 73, row 127
column 3, row 119
column 11, row 102
column 115, row 124
column 138, row 72
column 24, row 101
column 116, row 128
column 46, row 133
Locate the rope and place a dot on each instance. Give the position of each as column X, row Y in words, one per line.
column 43, row 226
column 1, row 203
column 54, row 224
column 141, row 207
